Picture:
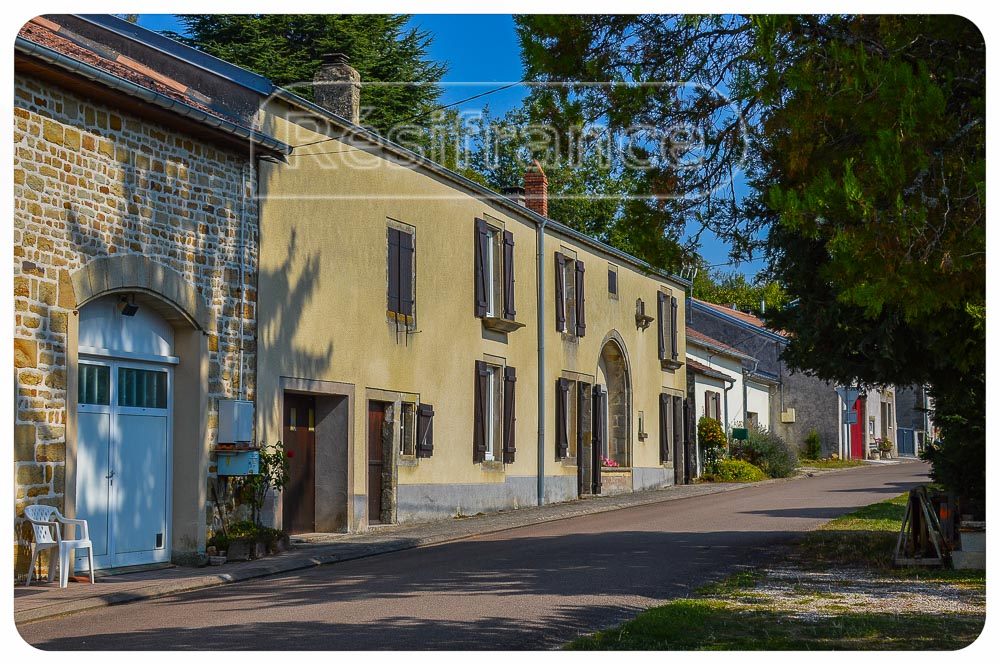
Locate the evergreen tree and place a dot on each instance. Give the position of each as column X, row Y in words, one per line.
column 287, row 49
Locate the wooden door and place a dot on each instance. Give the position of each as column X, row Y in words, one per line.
column 299, row 496
column 376, row 421
column 858, row 434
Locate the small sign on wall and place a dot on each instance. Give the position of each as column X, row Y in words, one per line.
column 239, row 463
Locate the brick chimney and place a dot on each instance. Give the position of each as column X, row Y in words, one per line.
column 536, row 189
column 337, row 87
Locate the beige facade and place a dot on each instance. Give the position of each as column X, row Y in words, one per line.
column 327, row 330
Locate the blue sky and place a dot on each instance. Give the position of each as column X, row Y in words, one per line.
column 483, row 53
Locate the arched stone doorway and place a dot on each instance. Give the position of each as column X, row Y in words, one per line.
column 142, row 378
column 613, row 372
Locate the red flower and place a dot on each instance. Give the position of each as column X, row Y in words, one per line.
column 290, row 454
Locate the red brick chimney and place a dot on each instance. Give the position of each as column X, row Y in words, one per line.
column 536, row 189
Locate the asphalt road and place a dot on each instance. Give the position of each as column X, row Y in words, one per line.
column 533, row 587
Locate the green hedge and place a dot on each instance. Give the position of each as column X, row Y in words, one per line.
column 734, row 471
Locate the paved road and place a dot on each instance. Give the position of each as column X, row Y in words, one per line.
column 533, row 587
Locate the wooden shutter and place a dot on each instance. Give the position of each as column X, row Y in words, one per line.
column 581, row 320
column 664, row 427
column 482, row 248
column 406, row 273
column 393, row 268
column 661, row 346
column 509, row 382
column 708, row 403
column 562, row 409
column 508, row 276
column 582, row 427
column 560, row 291
column 481, row 416
column 425, row 430
column 718, row 407
column 678, row 438
column 597, row 436
column 673, row 327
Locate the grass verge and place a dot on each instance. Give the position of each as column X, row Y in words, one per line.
column 830, row 463
column 836, row 591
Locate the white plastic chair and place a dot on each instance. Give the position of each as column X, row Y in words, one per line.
column 46, row 522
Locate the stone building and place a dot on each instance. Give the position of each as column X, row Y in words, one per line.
column 135, row 272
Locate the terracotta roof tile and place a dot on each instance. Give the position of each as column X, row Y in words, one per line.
column 693, row 334
column 45, row 32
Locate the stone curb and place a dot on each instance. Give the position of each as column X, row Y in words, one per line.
column 302, row 559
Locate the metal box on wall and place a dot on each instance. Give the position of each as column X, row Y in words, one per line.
column 238, row 463
column 235, row 421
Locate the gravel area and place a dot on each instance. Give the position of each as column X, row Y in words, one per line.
column 811, row 595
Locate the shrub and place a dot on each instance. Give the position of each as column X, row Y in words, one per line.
column 813, row 448
column 711, row 440
column 734, row 471
column 766, row 450
column 248, row 531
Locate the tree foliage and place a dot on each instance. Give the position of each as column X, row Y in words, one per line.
column 734, row 288
column 287, row 49
column 862, row 140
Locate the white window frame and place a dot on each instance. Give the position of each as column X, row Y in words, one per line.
column 493, row 270
column 492, row 435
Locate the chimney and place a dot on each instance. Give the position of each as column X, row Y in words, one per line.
column 337, row 87
column 515, row 194
column 536, row 189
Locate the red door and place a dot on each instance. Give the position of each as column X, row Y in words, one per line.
column 376, row 420
column 298, row 512
column 858, row 431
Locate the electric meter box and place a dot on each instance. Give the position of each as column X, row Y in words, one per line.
column 241, row 463
column 235, row 421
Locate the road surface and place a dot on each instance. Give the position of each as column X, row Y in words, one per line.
column 533, row 587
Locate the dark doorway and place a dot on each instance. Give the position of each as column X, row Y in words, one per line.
column 298, row 511
column 376, row 459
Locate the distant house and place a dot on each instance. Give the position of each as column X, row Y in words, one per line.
column 914, row 420
column 135, row 273
column 798, row 403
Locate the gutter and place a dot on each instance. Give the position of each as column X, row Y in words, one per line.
column 113, row 82
column 540, row 316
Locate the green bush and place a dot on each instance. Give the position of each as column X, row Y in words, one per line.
column 767, row 451
column 246, row 530
column 734, row 471
column 813, row 448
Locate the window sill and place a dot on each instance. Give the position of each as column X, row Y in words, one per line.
column 500, row 325
column 570, row 337
column 407, row 460
column 491, row 466
column 616, row 469
column 569, row 461
column 671, row 364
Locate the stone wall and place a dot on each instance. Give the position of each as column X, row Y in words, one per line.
column 92, row 182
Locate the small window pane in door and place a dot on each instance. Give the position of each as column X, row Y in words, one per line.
column 142, row 388
column 95, row 384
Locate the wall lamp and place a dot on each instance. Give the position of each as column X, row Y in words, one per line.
column 128, row 306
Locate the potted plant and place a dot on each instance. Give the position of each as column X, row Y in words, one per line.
column 884, row 446
column 250, row 539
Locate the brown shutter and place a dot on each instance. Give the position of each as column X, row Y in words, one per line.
column 509, row 418
column 581, row 427
column 581, row 319
column 708, row 403
column 481, row 248
column 406, row 273
column 678, row 439
column 718, row 407
column 664, row 427
column 393, row 266
column 661, row 346
column 480, row 418
column 673, row 327
column 597, row 435
column 560, row 291
column 562, row 409
column 508, row 276
column 425, row 430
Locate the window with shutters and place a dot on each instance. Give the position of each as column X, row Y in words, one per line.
column 494, row 413
column 573, row 416
column 667, row 342
column 494, row 277
column 408, row 429
column 401, row 273
column 570, row 300
column 713, row 405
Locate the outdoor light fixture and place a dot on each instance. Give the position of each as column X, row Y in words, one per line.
column 128, row 307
